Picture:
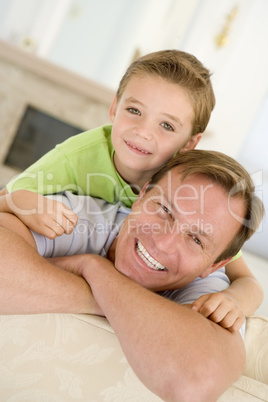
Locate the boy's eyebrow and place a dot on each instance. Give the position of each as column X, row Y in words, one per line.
column 170, row 116
column 174, row 118
column 134, row 100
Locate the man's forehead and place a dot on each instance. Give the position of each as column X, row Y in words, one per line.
column 175, row 187
column 198, row 194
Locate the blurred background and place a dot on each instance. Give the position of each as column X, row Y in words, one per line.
column 98, row 39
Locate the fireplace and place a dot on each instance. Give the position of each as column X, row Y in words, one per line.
column 39, row 100
column 37, row 134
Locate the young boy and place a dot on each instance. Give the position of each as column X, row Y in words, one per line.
column 162, row 106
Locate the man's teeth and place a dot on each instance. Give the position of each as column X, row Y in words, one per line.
column 148, row 259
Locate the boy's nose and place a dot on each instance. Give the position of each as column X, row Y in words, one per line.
column 144, row 131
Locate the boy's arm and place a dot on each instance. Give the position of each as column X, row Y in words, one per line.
column 245, row 288
column 48, row 217
column 241, row 299
column 3, row 191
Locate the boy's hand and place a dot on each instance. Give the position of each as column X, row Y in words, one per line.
column 48, row 217
column 220, row 308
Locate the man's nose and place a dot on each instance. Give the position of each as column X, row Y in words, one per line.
column 168, row 240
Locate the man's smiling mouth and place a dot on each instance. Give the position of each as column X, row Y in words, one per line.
column 148, row 259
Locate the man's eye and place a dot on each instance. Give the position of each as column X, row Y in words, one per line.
column 133, row 110
column 166, row 210
column 167, row 126
column 197, row 241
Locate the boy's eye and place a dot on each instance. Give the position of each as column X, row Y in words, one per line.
column 167, row 126
column 133, row 110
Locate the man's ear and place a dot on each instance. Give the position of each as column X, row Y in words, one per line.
column 192, row 142
column 215, row 267
column 112, row 111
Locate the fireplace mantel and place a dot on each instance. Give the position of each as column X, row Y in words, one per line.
column 27, row 80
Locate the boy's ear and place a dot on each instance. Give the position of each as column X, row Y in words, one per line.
column 215, row 267
column 112, row 111
column 192, row 142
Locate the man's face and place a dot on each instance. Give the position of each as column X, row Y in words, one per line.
column 176, row 231
column 151, row 122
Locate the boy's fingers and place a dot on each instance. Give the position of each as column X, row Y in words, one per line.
column 70, row 215
column 62, row 225
column 68, row 225
column 205, row 305
column 198, row 303
column 49, row 232
column 57, row 228
column 237, row 324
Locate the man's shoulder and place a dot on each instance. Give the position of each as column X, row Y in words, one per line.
column 96, row 207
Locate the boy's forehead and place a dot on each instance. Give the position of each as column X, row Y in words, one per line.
column 146, row 76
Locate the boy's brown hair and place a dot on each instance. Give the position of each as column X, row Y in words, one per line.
column 183, row 69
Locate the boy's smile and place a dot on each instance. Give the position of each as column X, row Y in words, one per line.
column 136, row 148
column 151, row 122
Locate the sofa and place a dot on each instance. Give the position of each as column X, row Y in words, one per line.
column 76, row 357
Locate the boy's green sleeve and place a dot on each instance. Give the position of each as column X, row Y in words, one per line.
column 50, row 174
column 239, row 254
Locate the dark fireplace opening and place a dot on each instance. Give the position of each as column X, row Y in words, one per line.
column 37, row 134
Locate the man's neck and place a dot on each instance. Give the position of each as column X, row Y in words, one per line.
column 111, row 252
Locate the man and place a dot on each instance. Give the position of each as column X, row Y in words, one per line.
column 193, row 217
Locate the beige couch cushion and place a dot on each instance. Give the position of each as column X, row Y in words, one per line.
column 61, row 358
column 256, row 340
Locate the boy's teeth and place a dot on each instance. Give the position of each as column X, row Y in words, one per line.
column 148, row 259
column 141, row 150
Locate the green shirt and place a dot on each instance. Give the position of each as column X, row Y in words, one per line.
column 83, row 164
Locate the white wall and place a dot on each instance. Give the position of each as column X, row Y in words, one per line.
column 239, row 69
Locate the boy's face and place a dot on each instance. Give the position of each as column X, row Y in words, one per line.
column 151, row 122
